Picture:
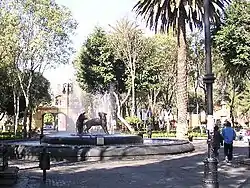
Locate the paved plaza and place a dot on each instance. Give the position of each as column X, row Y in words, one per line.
column 176, row 171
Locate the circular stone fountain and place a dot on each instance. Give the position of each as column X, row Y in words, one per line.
column 97, row 147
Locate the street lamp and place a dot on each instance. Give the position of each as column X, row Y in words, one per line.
column 210, row 163
column 67, row 89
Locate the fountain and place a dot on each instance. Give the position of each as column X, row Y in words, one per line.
column 83, row 137
column 90, row 143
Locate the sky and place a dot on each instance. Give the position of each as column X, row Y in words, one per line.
column 88, row 14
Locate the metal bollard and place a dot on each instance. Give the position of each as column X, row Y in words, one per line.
column 44, row 162
column 210, row 179
column 41, row 137
column 210, row 173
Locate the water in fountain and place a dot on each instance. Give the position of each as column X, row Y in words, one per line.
column 80, row 101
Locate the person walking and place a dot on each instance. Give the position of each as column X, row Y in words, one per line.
column 217, row 141
column 229, row 135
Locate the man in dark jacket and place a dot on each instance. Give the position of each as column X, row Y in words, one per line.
column 217, row 141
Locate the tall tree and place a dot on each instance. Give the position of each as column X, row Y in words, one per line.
column 196, row 71
column 155, row 79
column 44, row 29
column 98, row 69
column 9, row 39
column 96, row 65
column 127, row 42
column 40, row 88
column 232, row 39
column 6, row 94
column 175, row 14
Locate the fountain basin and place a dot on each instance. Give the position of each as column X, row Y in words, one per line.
column 91, row 139
column 64, row 152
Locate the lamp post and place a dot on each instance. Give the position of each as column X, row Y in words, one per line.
column 67, row 89
column 210, row 163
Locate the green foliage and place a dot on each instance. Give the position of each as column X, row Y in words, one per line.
column 195, row 59
column 48, row 118
column 96, row 65
column 129, row 45
column 40, row 90
column 34, row 36
column 233, row 39
column 6, row 94
column 37, row 31
column 159, row 66
column 166, row 14
column 176, row 14
column 133, row 120
column 243, row 102
column 10, row 135
column 232, row 43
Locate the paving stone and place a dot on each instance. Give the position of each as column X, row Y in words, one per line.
column 177, row 171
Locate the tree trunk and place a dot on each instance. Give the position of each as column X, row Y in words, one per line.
column 130, row 128
column 232, row 103
column 181, row 94
column 25, row 114
column 150, row 99
column 30, row 122
column 156, row 93
column 26, row 93
column 133, row 95
column 16, row 110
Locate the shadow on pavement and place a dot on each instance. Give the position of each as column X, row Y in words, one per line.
column 185, row 171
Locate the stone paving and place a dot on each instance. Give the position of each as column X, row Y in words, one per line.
column 176, row 171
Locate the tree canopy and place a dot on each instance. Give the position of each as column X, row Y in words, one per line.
column 233, row 39
column 97, row 66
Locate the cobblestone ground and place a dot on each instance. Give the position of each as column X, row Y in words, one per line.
column 177, row 171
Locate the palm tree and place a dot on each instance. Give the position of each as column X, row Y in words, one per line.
column 176, row 14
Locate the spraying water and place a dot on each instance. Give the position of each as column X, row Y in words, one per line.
column 76, row 101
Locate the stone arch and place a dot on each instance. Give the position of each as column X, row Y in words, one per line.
column 60, row 120
column 59, row 115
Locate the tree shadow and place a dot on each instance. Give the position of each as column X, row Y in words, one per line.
column 179, row 171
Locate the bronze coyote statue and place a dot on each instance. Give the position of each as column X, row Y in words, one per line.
column 101, row 121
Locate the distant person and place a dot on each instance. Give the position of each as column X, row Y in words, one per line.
column 217, row 141
column 144, row 116
column 149, row 113
column 229, row 135
column 149, row 130
column 161, row 120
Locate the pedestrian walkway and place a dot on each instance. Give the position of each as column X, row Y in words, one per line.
column 178, row 171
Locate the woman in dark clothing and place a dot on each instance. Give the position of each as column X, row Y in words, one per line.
column 217, row 141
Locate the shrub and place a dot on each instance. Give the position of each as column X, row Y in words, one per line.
column 133, row 120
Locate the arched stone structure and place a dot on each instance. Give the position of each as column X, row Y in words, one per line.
column 38, row 117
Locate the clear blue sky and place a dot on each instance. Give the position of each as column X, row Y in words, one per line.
column 88, row 14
